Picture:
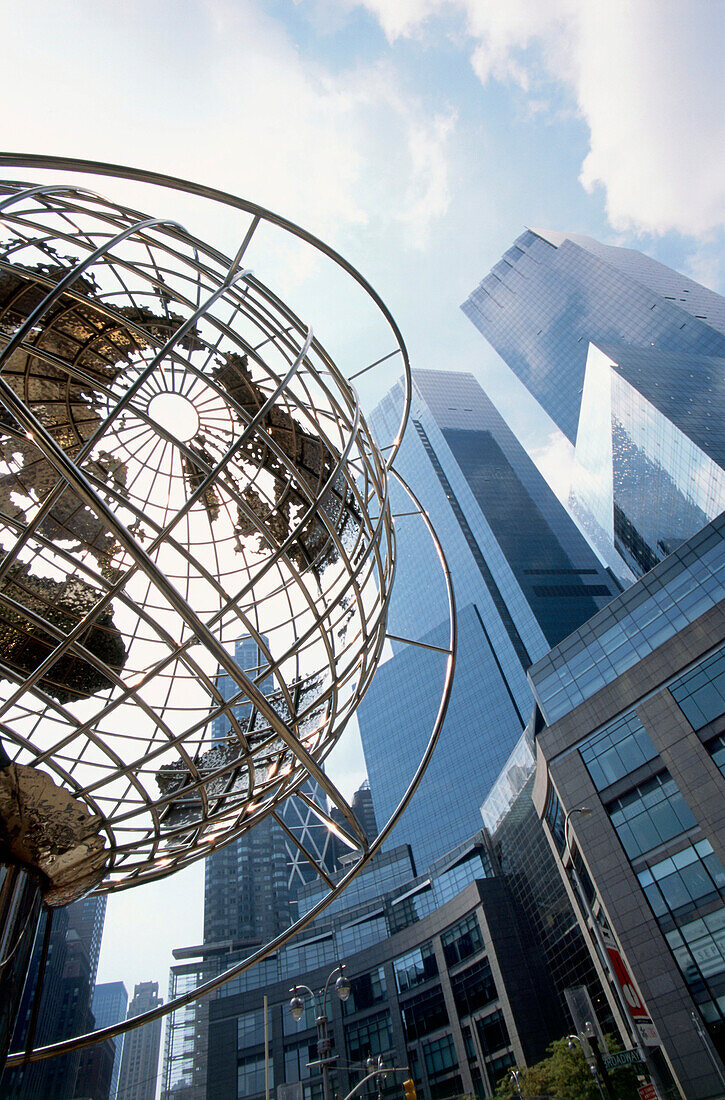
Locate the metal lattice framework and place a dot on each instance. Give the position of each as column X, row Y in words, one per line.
column 182, row 465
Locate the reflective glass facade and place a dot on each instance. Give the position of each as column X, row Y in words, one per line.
column 628, row 358
column 675, row 593
column 551, row 294
column 110, row 1001
column 524, row 577
column 648, row 468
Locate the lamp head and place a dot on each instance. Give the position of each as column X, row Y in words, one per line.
column 297, row 1008
column 342, row 987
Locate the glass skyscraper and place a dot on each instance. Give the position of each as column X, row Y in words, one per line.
column 251, row 883
column 110, row 1002
column 524, row 578
column 628, row 359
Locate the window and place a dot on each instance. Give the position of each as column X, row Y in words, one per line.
column 369, row 1036
column 250, row 1076
column 497, row 1066
column 411, row 908
column 556, row 820
column 365, row 991
column 297, row 1057
column 492, row 1032
column 417, row 966
column 448, row 1088
column 617, row 750
column 440, row 1055
column 361, row 934
column 250, row 1029
column 699, row 948
column 650, row 814
column 307, row 1021
column 473, row 988
column 684, row 881
column 700, row 693
column 424, row 1014
column 716, row 749
column 308, row 956
column 462, row 940
column 451, row 882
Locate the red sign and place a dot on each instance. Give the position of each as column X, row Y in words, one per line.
column 648, row 1092
column 631, row 995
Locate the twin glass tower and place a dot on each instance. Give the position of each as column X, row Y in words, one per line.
column 627, row 358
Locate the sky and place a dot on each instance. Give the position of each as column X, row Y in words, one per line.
column 418, row 138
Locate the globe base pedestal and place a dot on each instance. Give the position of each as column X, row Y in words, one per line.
column 20, row 909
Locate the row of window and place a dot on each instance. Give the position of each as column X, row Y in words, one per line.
column 680, row 883
column 650, row 814
column 686, row 891
column 421, row 1014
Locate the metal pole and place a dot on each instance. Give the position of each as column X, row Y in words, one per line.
column 606, row 961
column 376, row 1073
column 592, row 1068
column 707, row 1043
column 20, row 908
column 323, row 1051
column 266, row 1049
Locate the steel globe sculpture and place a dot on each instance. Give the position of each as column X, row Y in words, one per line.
column 182, row 464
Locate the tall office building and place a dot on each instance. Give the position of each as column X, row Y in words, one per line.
column 65, row 1000
column 86, row 918
column 110, row 1002
column 140, row 1060
column 524, row 579
column 628, row 359
column 251, row 884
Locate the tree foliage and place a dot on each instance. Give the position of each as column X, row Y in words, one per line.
column 565, row 1075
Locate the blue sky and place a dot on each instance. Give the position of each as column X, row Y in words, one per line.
column 418, row 137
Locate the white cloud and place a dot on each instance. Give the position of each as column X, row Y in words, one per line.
column 646, row 77
column 705, row 266
column 402, row 17
column 427, row 195
column 650, row 85
column 224, row 96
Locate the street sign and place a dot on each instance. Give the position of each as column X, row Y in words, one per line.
column 648, row 1033
column 645, row 1028
column 648, row 1092
column 621, row 1058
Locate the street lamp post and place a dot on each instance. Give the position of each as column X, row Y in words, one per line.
column 297, row 1008
column 593, row 1069
column 585, row 811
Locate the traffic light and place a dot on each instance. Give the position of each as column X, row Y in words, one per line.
column 409, row 1089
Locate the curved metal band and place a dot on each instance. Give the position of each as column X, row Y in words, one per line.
column 120, row 171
